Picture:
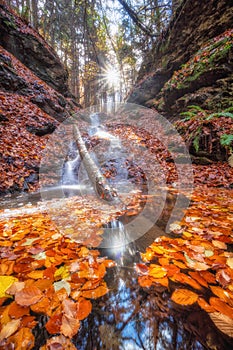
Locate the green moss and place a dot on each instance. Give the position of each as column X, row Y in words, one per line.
column 205, row 59
column 9, row 24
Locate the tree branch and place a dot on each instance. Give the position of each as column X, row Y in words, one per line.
column 133, row 15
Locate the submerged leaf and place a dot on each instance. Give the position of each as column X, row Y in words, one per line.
column 222, row 322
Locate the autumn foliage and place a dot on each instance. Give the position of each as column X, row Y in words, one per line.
column 43, row 272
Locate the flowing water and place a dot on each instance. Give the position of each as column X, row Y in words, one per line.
column 128, row 317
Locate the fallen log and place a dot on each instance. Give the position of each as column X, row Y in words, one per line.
column 99, row 182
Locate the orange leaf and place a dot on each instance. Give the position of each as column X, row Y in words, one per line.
column 84, row 308
column 23, row 339
column 162, row 281
column 38, row 274
column 221, row 293
column 95, row 293
column 17, row 311
column 43, row 284
column 184, row 297
column 42, row 306
column 6, row 268
column 70, row 326
column 181, row 277
column 179, row 264
column 204, row 305
column 145, row 281
column 222, row 307
column 28, row 321
column 196, row 275
column 28, row 296
column 208, row 276
column 171, row 269
column 164, row 261
column 53, row 325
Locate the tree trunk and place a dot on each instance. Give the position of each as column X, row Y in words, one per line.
column 34, row 4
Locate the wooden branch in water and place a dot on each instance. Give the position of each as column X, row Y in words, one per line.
column 99, row 182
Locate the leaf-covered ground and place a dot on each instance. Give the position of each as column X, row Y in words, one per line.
column 46, row 273
column 199, row 256
column 25, row 110
column 52, row 275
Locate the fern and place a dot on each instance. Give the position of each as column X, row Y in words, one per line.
column 193, row 110
column 226, row 140
column 229, row 109
column 196, row 142
column 220, row 114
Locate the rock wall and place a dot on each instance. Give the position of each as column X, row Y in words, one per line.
column 193, row 63
column 31, row 108
column 30, row 48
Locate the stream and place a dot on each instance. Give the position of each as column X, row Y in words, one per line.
column 128, row 317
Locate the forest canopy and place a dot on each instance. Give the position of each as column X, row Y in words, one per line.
column 101, row 42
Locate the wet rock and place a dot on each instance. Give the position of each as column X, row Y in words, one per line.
column 41, row 131
column 9, row 80
column 192, row 26
column 31, row 49
column 3, row 118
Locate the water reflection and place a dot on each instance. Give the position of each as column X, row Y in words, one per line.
column 129, row 317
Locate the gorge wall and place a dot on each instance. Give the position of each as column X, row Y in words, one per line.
column 34, row 99
column 192, row 63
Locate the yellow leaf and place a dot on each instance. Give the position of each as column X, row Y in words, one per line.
column 157, row 271
column 184, row 297
column 62, row 273
column 230, row 262
column 38, row 274
column 5, row 283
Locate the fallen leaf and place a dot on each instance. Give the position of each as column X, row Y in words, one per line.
column 145, row 281
column 181, row 277
column 221, row 293
column 9, row 329
column 70, row 326
column 28, row 296
column 222, row 322
column 17, row 311
column 23, row 339
column 58, row 343
column 208, row 276
column 221, row 307
column 84, row 308
column 197, row 276
column 204, row 305
column 156, row 271
column 42, row 306
column 5, row 283
column 230, row 262
column 38, row 274
column 53, row 325
column 15, row 287
column 184, row 297
column 95, row 293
